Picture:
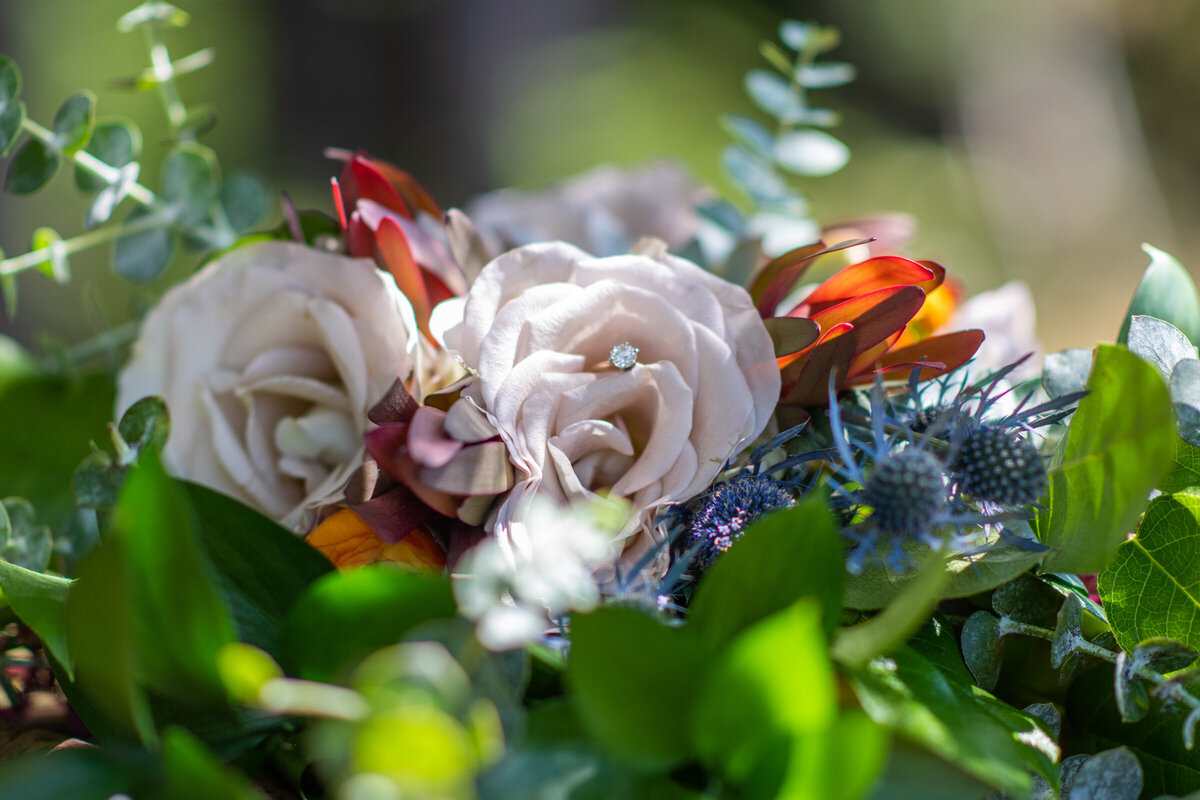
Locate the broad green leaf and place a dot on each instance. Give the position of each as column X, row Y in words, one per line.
column 912, row 773
column 116, row 143
column 892, row 627
column 632, row 681
column 1168, row 767
column 792, row 553
column 194, row 772
column 189, row 182
column 10, row 125
column 73, row 122
column 245, row 198
column 1185, row 473
column 10, row 81
column 766, row 717
column 938, row 643
column 31, row 168
column 41, row 603
column 55, row 266
column 342, row 617
column 1028, row 599
column 263, row 569
column 180, row 620
column 1167, row 292
column 77, row 773
column 1120, row 444
column 810, row 153
column 142, row 256
column 1152, row 587
column 49, row 422
column 957, row 721
column 543, row 774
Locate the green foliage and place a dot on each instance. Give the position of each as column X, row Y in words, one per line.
column 144, row 253
column 143, row 427
column 192, row 771
column 1166, row 292
column 344, row 616
column 956, row 720
column 48, row 424
column 116, row 142
column 41, row 603
column 792, row 553
column 1120, row 443
column 23, row 541
column 1151, row 587
column 73, row 123
column 1185, row 473
column 631, row 679
column 32, row 167
column 12, row 110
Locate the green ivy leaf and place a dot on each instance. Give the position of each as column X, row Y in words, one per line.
column 342, row 617
column 982, row 648
column 1152, row 586
column 1120, row 443
column 142, row 256
column 632, row 681
column 1185, row 473
column 792, row 553
column 1166, row 291
column 41, row 603
column 73, row 122
column 31, row 168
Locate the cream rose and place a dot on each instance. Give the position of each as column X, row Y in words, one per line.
column 538, row 326
column 269, row 359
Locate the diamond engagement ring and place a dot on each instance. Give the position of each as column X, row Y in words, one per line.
column 623, row 356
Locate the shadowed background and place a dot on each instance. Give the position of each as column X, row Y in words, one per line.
column 1033, row 139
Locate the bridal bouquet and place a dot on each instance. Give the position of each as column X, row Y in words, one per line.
column 618, row 489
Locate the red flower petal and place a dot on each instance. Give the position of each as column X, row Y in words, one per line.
column 396, row 255
column 832, row 354
column 951, row 350
column 876, row 315
column 864, row 277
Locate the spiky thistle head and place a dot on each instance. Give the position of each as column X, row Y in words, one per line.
column 907, row 492
column 728, row 509
column 999, row 465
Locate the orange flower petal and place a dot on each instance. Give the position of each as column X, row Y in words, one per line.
column 867, row 276
column 348, row 541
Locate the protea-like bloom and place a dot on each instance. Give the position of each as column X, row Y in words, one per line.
column 386, row 215
column 871, row 317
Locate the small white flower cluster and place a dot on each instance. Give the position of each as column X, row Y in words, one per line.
column 547, row 567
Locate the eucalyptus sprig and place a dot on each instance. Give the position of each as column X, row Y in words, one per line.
column 762, row 161
column 192, row 204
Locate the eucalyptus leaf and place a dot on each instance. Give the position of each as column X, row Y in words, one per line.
column 1068, row 632
column 11, row 118
column 245, row 198
column 810, row 153
column 772, row 93
column 1066, row 371
column 1152, row 586
column 27, row 543
column 1027, row 599
column 73, row 122
column 10, row 81
column 750, row 133
column 55, row 266
column 1133, row 701
column 153, row 12
column 189, row 182
column 1159, row 342
column 1120, row 444
column 116, row 143
column 1185, row 395
column 1167, row 292
column 143, row 255
column 1163, row 655
column 753, row 173
column 1111, row 775
column 825, row 74
column 32, row 167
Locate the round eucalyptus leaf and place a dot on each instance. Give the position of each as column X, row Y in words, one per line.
column 10, row 125
column 32, row 167
column 73, row 122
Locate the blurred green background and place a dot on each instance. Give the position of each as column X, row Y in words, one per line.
column 1033, row 139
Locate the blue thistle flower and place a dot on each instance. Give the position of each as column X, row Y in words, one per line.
column 727, row 509
column 907, row 492
column 1000, row 466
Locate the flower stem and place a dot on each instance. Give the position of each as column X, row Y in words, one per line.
column 11, row 266
column 168, row 89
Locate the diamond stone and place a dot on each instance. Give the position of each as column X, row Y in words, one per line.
column 623, row 356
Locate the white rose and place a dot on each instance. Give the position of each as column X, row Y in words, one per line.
column 538, row 326
column 269, row 359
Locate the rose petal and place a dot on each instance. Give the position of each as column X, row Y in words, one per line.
column 428, row 444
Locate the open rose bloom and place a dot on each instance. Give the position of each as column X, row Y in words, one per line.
column 269, row 359
column 539, row 327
